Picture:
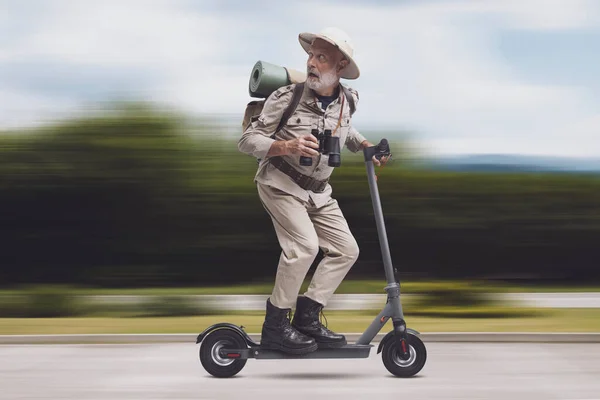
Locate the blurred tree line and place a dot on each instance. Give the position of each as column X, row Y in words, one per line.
column 136, row 197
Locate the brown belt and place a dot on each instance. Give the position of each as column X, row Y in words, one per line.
column 304, row 181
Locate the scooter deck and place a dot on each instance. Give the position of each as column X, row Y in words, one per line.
column 346, row 351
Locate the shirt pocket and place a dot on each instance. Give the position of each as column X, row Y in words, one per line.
column 344, row 128
column 298, row 125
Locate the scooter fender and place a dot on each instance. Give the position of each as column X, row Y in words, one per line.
column 226, row 325
column 390, row 336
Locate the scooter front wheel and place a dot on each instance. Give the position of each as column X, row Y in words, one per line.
column 213, row 362
column 404, row 368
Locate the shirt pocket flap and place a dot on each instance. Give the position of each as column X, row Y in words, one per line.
column 345, row 120
column 299, row 121
column 297, row 125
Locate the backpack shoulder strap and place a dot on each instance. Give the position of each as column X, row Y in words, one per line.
column 350, row 99
column 298, row 89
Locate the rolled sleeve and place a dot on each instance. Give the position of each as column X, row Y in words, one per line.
column 259, row 136
column 253, row 144
column 354, row 140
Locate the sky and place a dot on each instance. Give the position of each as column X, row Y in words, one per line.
column 458, row 77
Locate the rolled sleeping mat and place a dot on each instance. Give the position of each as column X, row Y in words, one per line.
column 295, row 76
column 266, row 78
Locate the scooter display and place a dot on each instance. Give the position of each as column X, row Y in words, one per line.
column 225, row 348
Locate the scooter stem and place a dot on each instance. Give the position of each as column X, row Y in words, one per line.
column 369, row 152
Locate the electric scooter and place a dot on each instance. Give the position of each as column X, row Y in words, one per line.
column 225, row 348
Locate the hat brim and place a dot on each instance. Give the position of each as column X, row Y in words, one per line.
column 351, row 70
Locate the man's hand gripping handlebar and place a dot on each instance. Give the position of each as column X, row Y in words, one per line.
column 380, row 152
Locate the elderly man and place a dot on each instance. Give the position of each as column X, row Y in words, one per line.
column 298, row 196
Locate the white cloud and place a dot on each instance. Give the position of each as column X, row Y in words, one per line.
column 19, row 109
column 432, row 67
column 549, row 14
column 528, row 15
column 121, row 33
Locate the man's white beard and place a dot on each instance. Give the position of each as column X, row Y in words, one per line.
column 326, row 80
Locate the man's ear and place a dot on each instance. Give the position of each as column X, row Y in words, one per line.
column 342, row 64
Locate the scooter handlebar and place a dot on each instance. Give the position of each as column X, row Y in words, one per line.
column 380, row 150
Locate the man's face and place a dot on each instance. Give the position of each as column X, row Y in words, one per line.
column 322, row 65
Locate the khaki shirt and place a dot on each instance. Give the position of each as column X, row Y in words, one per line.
column 256, row 140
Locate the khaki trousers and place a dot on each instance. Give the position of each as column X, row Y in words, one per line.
column 301, row 230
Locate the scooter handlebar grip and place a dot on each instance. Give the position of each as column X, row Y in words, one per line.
column 382, row 149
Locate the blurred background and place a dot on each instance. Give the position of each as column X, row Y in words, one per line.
column 122, row 192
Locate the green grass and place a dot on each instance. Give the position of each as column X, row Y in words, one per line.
column 551, row 320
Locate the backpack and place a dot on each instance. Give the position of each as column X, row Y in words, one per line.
column 254, row 108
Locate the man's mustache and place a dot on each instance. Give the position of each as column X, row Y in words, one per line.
column 313, row 72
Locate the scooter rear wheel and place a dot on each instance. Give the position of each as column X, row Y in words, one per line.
column 391, row 356
column 214, row 363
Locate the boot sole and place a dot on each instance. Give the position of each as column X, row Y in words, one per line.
column 324, row 344
column 331, row 345
column 289, row 350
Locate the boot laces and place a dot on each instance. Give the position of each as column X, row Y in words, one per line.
column 321, row 314
column 287, row 319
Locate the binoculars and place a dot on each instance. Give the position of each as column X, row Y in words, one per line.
column 329, row 145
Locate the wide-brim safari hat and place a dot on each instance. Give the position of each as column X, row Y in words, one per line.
column 339, row 39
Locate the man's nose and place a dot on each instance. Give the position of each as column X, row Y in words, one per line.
column 310, row 62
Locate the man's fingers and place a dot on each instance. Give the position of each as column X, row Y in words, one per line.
column 307, row 151
column 310, row 138
column 381, row 162
column 309, row 143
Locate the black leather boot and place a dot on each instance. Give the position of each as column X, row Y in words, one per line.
column 306, row 320
column 278, row 333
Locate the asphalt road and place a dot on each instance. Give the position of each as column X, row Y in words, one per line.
column 173, row 371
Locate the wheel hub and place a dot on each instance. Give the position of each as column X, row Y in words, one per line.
column 215, row 353
column 412, row 356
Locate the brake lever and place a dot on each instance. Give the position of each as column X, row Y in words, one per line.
column 381, row 155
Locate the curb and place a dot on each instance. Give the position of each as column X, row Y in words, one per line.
column 489, row 337
column 356, row 301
